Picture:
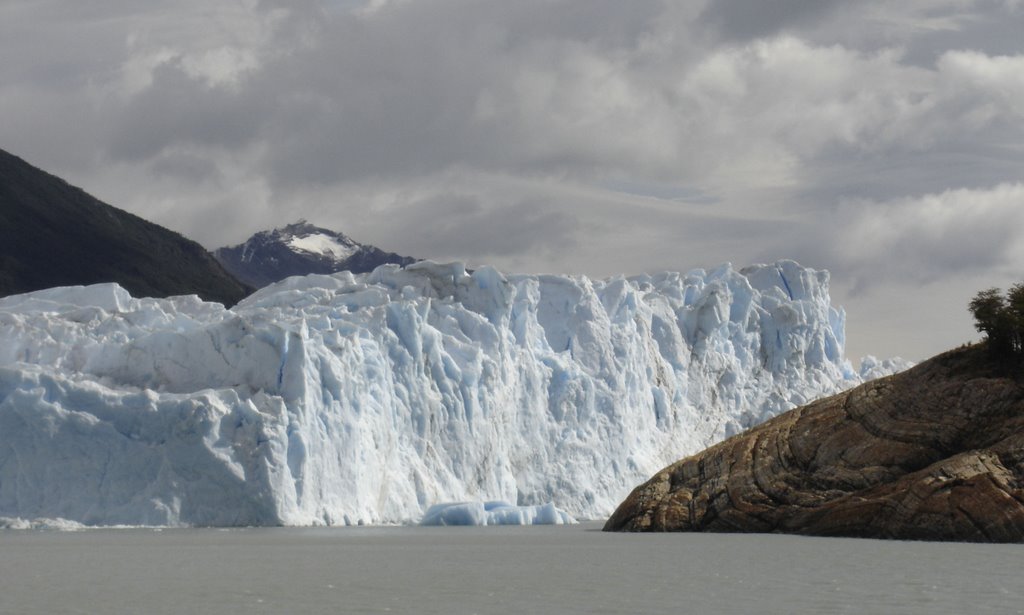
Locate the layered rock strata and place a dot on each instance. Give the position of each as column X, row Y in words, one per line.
column 933, row 453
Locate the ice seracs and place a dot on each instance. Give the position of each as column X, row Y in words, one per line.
column 342, row 399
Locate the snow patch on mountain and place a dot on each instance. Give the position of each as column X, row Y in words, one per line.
column 342, row 399
column 324, row 245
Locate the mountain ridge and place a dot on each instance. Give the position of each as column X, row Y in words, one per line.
column 55, row 234
column 301, row 248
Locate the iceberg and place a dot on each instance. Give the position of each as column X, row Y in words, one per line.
column 348, row 399
column 60, row 525
column 494, row 513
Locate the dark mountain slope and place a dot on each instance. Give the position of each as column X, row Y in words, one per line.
column 933, row 453
column 53, row 234
column 301, row 249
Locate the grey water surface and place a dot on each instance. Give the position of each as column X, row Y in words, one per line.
column 554, row 569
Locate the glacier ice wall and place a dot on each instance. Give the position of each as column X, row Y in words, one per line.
column 366, row 399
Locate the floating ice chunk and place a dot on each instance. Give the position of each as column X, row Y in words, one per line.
column 495, row 513
column 42, row 523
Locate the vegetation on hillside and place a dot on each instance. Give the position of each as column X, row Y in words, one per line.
column 1001, row 318
column 53, row 234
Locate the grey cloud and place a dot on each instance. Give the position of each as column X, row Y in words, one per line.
column 178, row 109
column 453, row 226
column 742, row 20
column 994, row 31
column 923, row 29
column 186, row 166
column 544, row 134
column 412, row 94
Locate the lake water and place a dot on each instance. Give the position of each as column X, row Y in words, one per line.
column 559, row 569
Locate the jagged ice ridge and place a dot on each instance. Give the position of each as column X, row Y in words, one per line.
column 368, row 398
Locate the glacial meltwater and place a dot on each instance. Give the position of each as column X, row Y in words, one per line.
column 553, row 569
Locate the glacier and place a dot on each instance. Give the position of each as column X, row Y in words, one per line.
column 366, row 399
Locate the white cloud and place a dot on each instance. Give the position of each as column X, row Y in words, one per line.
column 949, row 234
column 997, row 80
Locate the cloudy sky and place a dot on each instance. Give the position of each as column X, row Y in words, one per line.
column 881, row 140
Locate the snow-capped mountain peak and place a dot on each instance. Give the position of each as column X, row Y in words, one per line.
column 300, row 249
column 307, row 238
column 303, row 238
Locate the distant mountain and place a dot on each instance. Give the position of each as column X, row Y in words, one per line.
column 54, row 234
column 301, row 249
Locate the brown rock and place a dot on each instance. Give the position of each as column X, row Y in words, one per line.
column 933, row 453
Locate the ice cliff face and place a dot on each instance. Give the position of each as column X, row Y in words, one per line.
column 368, row 398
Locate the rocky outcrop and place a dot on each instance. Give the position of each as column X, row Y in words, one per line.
column 933, row 453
